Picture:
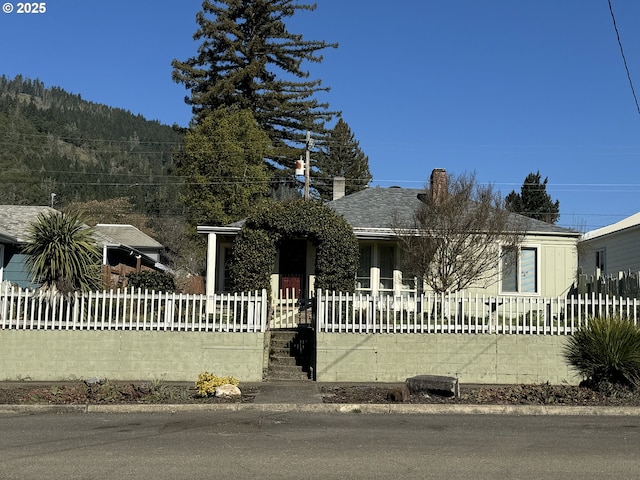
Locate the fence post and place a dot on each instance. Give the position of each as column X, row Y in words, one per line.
column 319, row 311
column 264, row 310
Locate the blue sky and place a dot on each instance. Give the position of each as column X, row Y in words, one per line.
column 499, row 87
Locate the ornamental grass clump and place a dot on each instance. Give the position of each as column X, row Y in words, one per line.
column 606, row 352
column 207, row 383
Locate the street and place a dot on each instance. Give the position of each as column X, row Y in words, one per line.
column 250, row 444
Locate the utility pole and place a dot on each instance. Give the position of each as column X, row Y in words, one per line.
column 307, row 169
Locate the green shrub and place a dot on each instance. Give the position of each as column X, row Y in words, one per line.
column 207, row 383
column 606, row 351
column 255, row 248
column 152, row 280
column 61, row 253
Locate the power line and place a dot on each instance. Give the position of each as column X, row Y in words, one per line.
column 624, row 59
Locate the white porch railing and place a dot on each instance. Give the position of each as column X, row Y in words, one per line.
column 132, row 310
column 459, row 313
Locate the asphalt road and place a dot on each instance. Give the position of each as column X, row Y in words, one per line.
column 252, row 444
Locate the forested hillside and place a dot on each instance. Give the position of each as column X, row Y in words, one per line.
column 54, row 142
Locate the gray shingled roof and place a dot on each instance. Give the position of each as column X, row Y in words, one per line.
column 125, row 235
column 15, row 220
column 375, row 208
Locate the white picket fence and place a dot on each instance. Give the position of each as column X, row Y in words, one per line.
column 459, row 313
column 334, row 312
column 132, row 309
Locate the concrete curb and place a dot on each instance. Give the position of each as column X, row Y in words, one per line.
column 341, row 408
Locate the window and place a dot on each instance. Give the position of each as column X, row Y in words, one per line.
column 363, row 277
column 601, row 261
column 520, row 270
column 387, row 266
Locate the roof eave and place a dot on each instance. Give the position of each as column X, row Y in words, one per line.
column 219, row 230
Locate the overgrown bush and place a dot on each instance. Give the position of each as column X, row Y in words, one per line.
column 606, row 351
column 151, row 280
column 255, row 248
column 207, row 383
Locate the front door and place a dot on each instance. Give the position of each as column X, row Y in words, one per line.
column 293, row 267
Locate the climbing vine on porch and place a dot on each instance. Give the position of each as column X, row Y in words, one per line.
column 254, row 251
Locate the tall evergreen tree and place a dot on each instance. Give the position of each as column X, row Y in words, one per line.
column 223, row 166
column 248, row 59
column 533, row 200
column 341, row 157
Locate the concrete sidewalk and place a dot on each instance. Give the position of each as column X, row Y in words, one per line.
column 288, row 392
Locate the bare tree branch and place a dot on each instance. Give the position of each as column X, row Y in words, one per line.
column 458, row 238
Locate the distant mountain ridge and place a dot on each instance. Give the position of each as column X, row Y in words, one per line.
column 54, row 142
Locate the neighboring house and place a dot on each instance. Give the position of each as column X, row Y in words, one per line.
column 124, row 247
column 546, row 267
column 15, row 221
column 611, row 249
column 120, row 240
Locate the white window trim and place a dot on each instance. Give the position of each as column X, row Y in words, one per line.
column 1, row 263
column 537, row 293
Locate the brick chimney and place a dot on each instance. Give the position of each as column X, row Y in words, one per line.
column 338, row 187
column 439, row 188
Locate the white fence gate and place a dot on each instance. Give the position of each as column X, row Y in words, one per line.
column 289, row 311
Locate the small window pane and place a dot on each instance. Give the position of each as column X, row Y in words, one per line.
column 528, row 273
column 600, row 260
column 387, row 265
column 510, row 271
column 363, row 277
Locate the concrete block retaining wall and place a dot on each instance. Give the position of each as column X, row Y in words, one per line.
column 126, row 355
column 487, row 359
column 181, row 356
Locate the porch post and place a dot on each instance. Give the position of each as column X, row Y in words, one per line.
column 211, row 271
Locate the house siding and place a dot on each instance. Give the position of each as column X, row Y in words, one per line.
column 556, row 265
column 622, row 252
column 15, row 269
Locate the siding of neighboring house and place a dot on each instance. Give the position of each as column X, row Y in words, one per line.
column 616, row 248
column 14, row 268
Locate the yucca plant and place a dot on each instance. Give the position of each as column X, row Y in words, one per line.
column 606, row 351
column 62, row 254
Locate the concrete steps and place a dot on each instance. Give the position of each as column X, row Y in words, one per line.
column 289, row 355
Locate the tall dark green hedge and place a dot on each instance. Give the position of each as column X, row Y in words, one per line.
column 255, row 248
